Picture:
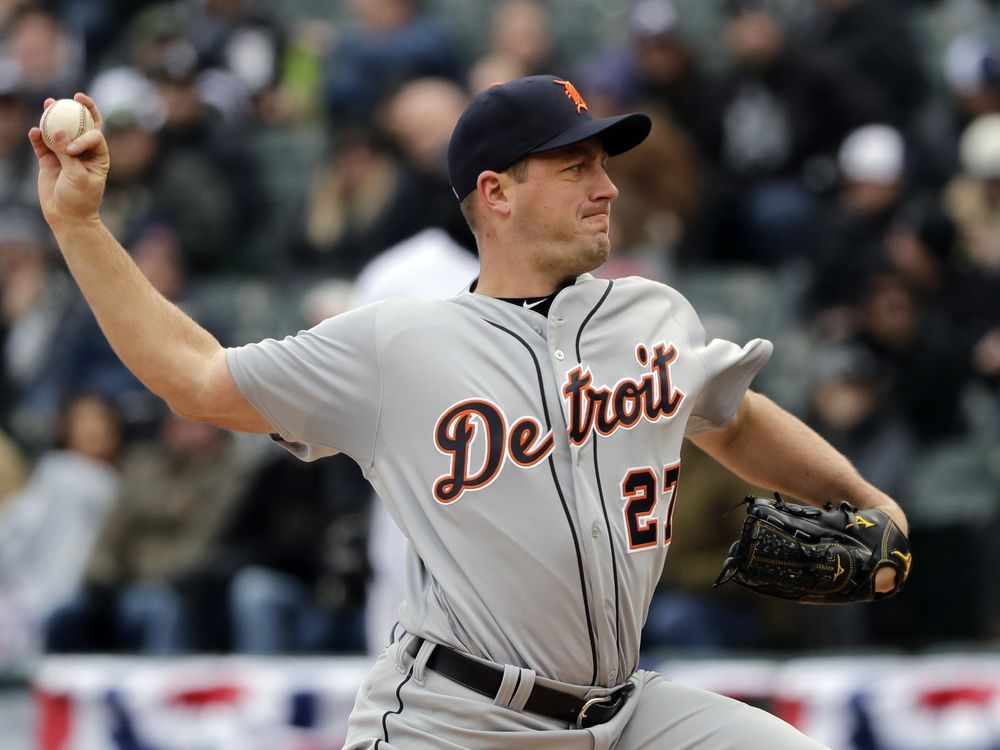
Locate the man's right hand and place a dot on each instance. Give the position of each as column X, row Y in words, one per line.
column 72, row 175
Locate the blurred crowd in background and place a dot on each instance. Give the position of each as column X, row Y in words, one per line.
column 823, row 173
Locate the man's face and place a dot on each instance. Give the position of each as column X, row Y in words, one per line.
column 755, row 38
column 562, row 209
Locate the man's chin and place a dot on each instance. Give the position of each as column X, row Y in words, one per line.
column 596, row 256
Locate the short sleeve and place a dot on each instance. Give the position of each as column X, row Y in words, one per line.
column 729, row 370
column 320, row 389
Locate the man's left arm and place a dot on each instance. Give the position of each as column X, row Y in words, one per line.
column 767, row 446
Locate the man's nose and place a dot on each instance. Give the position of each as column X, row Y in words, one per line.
column 605, row 189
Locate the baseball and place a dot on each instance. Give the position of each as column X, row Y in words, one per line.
column 68, row 115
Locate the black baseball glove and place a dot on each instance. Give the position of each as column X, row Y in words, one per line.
column 816, row 555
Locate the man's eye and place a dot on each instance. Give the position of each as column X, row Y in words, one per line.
column 576, row 168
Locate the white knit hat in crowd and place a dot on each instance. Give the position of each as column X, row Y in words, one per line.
column 979, row 147
column 872, row 153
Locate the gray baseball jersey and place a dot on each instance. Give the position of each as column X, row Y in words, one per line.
column 531, row 461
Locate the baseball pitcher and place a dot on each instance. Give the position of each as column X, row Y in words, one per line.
column 525, row 436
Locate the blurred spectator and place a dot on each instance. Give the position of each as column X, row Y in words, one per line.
column 239, row 36
column 352, row 196
column 924, row 251
column 659, row 66
column 299, row 95
column 973, row 200
column 973, row 197
column 207, row 111
column 382, row 185
column 784, row 113
column 431, row 258
column 35, row 302
column 156, row 39
column 927, row 365
column 856, row 31
column 848, row 249
column 192, row 125
column 419, row 119
column 521, row 44
column 160, row 44
column 295, row 554
column 48, row 56
column 148, row 584
column 148, row 183
column 928, row 252
column 971, row 72
column 48, row 528
column 161, row 48
column 101, row 25
column 389, row 43
column 18, row 166
column 850, row 404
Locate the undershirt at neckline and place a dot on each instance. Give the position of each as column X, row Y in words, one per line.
column 539, row 305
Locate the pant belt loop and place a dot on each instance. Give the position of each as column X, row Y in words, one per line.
column 420, row 661
column 403, row 646
column 511, row 679
column 523, row 691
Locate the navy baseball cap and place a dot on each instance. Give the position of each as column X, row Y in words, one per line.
column 525, row 116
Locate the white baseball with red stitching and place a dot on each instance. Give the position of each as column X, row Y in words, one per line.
column 68, row 115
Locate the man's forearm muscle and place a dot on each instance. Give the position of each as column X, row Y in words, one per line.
column 768, row 446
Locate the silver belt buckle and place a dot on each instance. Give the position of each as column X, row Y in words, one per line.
column 587, row 706
column 620, row 695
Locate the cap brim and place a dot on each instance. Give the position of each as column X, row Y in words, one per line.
column 618, row 134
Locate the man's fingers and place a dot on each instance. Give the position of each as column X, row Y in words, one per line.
column 87, row 102
column 46, row 156
column 885, row 580
column 70, row 163
column 38, row 143
column 92, row 140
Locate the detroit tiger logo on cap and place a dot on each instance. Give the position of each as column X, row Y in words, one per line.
column 573, row 94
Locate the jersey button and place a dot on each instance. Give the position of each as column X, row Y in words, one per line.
column 559, row 355
column 595, row 530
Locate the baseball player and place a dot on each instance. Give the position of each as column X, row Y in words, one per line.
column 525, row 436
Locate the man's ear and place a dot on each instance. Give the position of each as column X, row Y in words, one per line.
column 493, row 189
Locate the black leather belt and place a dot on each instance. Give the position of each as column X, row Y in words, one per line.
column 486, row 679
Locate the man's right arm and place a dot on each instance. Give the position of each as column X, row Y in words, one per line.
column 169, row 352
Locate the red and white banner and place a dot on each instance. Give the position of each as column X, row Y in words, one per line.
column 946, row 702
